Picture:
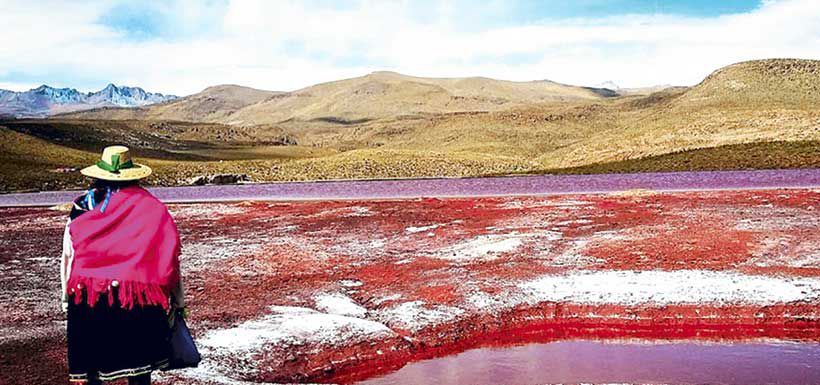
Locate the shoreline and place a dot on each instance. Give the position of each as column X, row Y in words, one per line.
column 772, row 329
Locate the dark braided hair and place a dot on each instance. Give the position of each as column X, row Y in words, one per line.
column 102, row 184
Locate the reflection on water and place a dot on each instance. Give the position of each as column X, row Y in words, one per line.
column 606, row 362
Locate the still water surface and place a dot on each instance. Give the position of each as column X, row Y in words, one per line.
column 607, row 362
column 455, row 187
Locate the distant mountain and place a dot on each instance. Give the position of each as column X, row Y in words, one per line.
column 213, row 104
column 610, row 85
column 374, row 96
column 389, row 94
column 393, row 96
column 45, row 100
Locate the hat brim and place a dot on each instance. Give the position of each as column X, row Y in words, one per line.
column 139, row 171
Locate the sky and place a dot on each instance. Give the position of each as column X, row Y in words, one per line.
column 180, row 47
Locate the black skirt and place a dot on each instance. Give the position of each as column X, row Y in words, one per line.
column 109, row 342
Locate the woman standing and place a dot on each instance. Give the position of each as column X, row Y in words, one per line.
column 120, row 275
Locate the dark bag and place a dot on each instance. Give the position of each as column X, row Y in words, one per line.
column 183, row 352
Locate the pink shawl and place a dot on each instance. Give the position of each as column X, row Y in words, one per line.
column 134, row 245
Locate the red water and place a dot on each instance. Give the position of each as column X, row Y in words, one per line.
column 620, row 362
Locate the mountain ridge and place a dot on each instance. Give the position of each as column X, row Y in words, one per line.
column 46, row 100
column 377, row 95
column 211, row 105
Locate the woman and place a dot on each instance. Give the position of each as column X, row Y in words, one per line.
column 120, row 275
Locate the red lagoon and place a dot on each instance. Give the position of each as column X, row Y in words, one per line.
column 347, row 290
column 635, row 362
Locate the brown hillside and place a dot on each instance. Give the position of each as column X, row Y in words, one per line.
column 388, row 94
column 378, row 95
column 784, row 83
column 748, row 102
column 213, row 104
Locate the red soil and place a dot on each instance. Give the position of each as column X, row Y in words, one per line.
column 241, row 258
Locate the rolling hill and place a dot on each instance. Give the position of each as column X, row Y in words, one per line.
column 382, row 95
column 377, row 95
column 772, row 83
column 757, row 114
column 748, row 102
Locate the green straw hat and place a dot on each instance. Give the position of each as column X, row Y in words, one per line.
column 116, row 165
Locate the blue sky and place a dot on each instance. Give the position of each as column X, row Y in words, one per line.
column 599, row 8
column 147, row 20
column 183, row 46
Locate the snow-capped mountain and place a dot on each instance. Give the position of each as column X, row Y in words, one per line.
column 127, row 96
column 609, row 84
column 45, row 100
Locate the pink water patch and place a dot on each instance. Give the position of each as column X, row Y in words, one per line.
column 607, row 362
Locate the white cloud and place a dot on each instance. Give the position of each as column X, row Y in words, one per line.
column 286, row 45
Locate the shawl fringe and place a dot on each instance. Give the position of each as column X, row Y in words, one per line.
column 130, row 293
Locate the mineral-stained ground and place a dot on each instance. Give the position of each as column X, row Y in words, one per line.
column 341, row 290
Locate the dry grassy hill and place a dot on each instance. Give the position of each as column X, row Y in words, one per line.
column 212, row 105
column 390, row 125
column 772, row 83
column 756, row 101
column 387, row 94
column 378, row 95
